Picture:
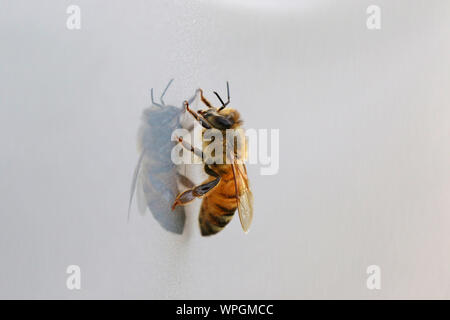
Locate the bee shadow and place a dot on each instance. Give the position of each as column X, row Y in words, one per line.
column 155, row 179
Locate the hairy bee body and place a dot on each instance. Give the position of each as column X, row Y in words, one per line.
column 219, row 205
column 227, row 187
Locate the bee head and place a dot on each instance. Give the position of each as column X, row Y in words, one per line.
column 222, row 119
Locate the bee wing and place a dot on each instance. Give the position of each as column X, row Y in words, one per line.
column 140, row 195
column 244, row 195
column 136, row 186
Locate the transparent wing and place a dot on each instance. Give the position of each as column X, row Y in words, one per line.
column 140, row 195
column 244, row 195
column 134, row 182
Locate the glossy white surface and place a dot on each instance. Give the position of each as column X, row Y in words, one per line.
column 364, row 119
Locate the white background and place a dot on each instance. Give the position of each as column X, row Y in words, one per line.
column 364, row 119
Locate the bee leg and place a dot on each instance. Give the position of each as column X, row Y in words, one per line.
column 190, row 147
column 198, row 191
column 204, row 100
column 205, row 124
column 164, row 92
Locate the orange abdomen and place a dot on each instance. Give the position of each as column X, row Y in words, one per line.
column 218, row 207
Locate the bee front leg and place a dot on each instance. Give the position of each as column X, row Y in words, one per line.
column 204, row 100
column 205, row 124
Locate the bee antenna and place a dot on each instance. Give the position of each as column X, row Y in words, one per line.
column 228, row 94
column 223, row 104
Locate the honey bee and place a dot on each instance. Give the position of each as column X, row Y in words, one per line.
column 227, row 187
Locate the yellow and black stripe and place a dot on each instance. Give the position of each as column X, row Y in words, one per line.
column 218, row 207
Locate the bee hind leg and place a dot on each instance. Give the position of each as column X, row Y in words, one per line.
column 198, row 191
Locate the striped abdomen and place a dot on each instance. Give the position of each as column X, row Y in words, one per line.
column 218, row 207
